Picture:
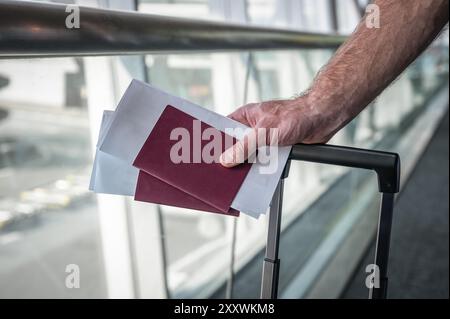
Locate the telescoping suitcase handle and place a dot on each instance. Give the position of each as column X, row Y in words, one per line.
column 387, row 167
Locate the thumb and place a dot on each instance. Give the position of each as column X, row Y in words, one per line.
column 240, row 151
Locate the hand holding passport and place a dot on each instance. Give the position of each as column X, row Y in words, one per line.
column 136, row 148
column 202, row 186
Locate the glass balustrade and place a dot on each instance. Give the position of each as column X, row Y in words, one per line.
column 49, row 116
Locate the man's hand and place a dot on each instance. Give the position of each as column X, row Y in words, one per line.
column 295, row 120
column 360, row 70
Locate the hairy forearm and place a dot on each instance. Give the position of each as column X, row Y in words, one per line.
column 362, row 67
column 373, row 57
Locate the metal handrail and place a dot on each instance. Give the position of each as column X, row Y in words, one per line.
column 30, row 29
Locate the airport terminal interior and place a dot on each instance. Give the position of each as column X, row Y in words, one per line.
column 50, row 112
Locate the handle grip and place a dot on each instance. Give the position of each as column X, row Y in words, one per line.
column 385, row 164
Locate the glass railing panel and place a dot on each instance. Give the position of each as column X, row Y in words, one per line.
column 348, row 200
column 215, row 81
column 47, row 211
column 179, row 8
column 48, row 218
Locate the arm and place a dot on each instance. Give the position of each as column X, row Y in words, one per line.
column 360, row 70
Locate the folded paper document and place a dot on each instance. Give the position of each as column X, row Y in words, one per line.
column 135, row 156
column 111, row 175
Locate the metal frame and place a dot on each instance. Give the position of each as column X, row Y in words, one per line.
column 387, row 167
column 271, row 266
column 382, row 245
column 29, row 29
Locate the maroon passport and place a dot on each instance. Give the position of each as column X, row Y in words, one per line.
column 197, row 185
column 152, row 190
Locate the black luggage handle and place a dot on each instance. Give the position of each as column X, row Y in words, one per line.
column 387, row 167
column 385, row 164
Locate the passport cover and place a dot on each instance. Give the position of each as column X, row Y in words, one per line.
column 209, row 183
column 152, row 190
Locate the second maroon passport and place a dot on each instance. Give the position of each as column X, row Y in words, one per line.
column 208, row 183
column 152, row 190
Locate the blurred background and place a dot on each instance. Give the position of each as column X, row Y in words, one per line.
column 50, row 111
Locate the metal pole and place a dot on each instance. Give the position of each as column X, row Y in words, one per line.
column 30, row 29
column 271, row 266
column 382, row 245
column 230, row 282
column 334, row 15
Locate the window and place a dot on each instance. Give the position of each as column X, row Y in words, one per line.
column 48, row 218
column 50, row 110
